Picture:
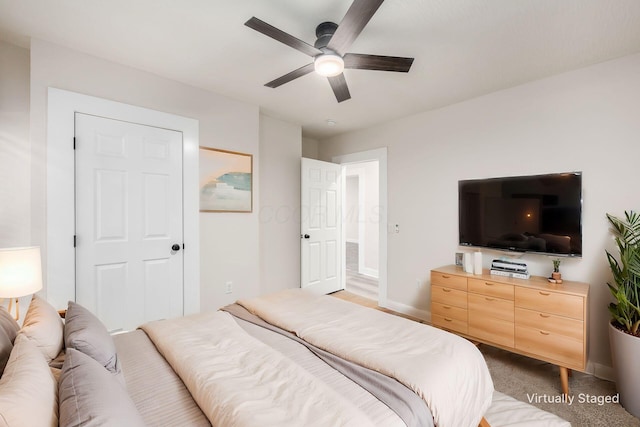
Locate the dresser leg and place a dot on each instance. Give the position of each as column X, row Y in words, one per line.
column 564, row 380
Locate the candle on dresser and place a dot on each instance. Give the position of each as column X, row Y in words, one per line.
column 468, row 262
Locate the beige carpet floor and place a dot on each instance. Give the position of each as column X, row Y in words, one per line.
column 524, row 379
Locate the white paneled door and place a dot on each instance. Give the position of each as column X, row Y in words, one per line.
column 129, row 245
column 321, row 226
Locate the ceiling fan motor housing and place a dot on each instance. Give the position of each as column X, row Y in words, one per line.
column 324, row 32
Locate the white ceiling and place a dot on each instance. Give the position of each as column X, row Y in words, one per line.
column 462, row 48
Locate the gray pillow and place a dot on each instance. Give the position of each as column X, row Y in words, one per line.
column 90, row 396
column 5, row 350
column 8, row 324
column 8, row 330
column 86, row 333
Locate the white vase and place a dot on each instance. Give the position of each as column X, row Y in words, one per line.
column 477, row 263
column 625, row 349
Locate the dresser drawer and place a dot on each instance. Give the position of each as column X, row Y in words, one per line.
column 491, row 329
column 449, row 280
column 490, row 288
column 551, row 346
column 560, row 325
column 449, row 323
column 449, row 296
column 550, row 302
column 449, row 311
column 491, row 307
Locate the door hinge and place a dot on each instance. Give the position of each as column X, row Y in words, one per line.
column 183, row 246
column 74, row 240
column 74, row 142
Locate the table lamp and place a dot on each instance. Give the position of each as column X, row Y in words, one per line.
column 20, row 274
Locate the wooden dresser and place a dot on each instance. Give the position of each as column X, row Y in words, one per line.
column 531, row 317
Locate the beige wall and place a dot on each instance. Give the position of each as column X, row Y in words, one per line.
column 280, row 152
column 585, row 120
column 310, row 148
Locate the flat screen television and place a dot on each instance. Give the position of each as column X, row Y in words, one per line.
column 538, row 213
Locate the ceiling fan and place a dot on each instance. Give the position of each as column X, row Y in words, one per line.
column 329, row 52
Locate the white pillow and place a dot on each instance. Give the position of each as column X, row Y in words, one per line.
column 44, row 327
column 28, row 390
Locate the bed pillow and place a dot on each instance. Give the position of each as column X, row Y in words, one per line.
column 5, row 350
column 8, row 330
column 91, row 396
column 28, row 390
column 44, row 327
column 8, row 324
column 86, row 333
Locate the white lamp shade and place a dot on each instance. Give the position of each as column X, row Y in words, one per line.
column 328, row 64
column 20, row 272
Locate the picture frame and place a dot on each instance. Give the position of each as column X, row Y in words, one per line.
column 225, row 181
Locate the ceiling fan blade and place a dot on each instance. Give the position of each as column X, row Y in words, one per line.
column 378, row 63
column 281, row 36
column 352, row 24
column 291, row 76
column 340, row 88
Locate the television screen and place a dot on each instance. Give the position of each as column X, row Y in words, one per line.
column 540, row 213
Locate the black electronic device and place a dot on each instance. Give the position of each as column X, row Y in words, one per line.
column 538, row 213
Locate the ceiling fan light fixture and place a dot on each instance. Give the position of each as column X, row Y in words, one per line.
column 328, row 64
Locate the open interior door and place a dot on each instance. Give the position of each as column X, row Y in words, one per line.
column 321, row 226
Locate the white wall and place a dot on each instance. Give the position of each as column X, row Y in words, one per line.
column 363, row 216
column 15, row 152
column 228, row 242
column 280, row 152
column 15, row 149
column 586, row 120
column 351, row 207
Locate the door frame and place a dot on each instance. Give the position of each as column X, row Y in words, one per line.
column 60, row 207
column 379, row 154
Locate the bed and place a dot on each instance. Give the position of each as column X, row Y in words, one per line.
column 287, row 359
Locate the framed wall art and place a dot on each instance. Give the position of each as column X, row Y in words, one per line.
column 226, row 181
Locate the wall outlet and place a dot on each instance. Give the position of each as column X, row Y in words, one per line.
column 228, row 287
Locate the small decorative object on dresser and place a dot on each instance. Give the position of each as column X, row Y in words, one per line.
column 529, row 317
column 556, row 276
column 624, row 326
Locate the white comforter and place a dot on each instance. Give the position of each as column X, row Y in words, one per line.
column 239, row 381
column 448, row 372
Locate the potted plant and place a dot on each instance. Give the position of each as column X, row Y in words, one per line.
column 556, row 275
column 625, row 311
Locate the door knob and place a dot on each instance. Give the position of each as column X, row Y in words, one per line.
column 306, row 236
column 175, row 247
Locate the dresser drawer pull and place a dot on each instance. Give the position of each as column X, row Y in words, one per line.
column 446, row 307
column 488, row 284
column 448, row 320
column 545, row 316
column 544, row 332
column 489, row 299
column 444, row 276
column 446, row 290
column 546, row 294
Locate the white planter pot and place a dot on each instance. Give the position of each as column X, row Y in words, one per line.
column 625, row 354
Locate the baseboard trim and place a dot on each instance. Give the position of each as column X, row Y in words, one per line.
column 601, row 371
column 369, row 272
column 408, row 310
